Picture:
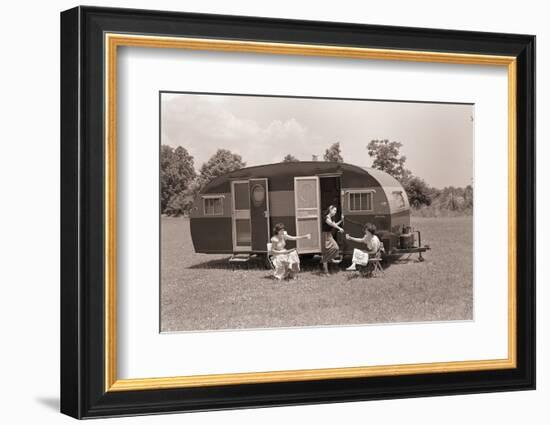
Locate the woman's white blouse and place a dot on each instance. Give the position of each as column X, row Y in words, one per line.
column 373, row 245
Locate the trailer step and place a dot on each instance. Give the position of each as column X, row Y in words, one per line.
column 240, row 258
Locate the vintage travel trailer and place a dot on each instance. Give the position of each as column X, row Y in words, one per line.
column 235, row 213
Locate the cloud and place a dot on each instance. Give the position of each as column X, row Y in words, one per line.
column 437, row 138
column 202, row 126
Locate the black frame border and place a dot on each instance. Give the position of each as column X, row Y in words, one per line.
column 82, row 212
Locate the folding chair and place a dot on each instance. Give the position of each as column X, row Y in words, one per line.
column 374, row 266
column 269, row 257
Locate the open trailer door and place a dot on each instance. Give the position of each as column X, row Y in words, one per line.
column 240, row 216
column 307, row 201
column 259, row 214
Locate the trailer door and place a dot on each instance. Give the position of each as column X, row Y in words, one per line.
column 308, row 213
column 259, row 214
column 241, row 216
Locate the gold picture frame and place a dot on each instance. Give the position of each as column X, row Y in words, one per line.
column 114, row 41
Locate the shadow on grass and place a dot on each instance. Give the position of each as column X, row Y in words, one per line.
column 252, row 264
column 307, row 265
column 224, row 264
column 219, row 263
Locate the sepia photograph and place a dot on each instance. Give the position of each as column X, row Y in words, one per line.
column 282, row 212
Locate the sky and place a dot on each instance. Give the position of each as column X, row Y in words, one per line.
column 437, row 138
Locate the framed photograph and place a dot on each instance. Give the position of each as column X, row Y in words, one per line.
column 261, row 212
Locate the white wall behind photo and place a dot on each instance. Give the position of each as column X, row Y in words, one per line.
column 29, row 217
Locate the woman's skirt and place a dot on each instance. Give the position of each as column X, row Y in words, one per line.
column 286, row 264
column 360, row 257
column 329, row 247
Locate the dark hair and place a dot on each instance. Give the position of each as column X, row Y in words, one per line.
column 370, row 227
column 278, row 227
column 327, row 211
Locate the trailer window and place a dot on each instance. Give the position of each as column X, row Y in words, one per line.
column 399, row 199
column 360, row 201
column 213, row 206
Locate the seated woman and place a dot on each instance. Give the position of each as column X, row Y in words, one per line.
column 286, row 261
column 373, row 246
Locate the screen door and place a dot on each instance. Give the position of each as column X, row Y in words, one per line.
column 308, row 213
column 241, row 216
column 259, row 214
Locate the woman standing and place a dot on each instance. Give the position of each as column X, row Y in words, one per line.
column 286, row 261
column 329, row 247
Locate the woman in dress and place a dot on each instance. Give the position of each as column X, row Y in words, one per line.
column 329, row 247
column 370, row 240
column 286, row 261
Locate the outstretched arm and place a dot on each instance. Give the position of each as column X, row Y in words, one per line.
column 295, row 238
column 333, row 224
column 358, row 240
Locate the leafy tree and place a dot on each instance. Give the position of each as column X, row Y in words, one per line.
column 452, row 198
column 183, row 165
column 166, row 191
column 418, row 192
column 290, row 158
column 222, row 162
column 180, row 183
column 387, row 158
column 179, row 204
column 176, row 172
column 469, row 196
column 176, row 205
column 333, row 153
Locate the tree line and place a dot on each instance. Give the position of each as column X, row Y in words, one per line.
column 180, row 182
column 424, row 199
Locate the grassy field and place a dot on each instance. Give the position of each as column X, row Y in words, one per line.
column 201, row 291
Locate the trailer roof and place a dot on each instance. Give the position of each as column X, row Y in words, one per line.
column 311, row 168
column 383, row 178
column 304, row 168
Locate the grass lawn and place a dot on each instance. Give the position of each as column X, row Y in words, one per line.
column 202, row 291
